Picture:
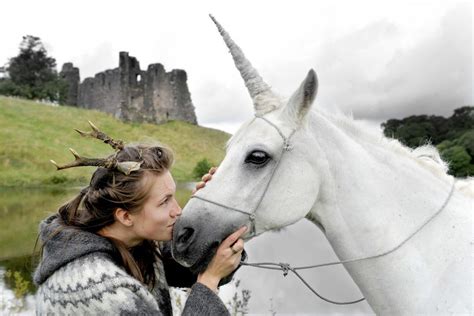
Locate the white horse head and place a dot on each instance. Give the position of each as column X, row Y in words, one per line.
column 366, row 194
column 251, row 158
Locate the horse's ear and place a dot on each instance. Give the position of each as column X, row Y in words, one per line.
column 301, row 101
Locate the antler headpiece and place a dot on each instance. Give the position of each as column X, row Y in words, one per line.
column 110, row 162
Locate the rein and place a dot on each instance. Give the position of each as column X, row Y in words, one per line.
column 285, row 267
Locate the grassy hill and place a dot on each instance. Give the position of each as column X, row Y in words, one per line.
column 32, row 133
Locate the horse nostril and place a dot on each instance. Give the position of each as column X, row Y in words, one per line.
column 184, row 236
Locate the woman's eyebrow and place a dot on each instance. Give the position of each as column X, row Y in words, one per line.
column 166, row 196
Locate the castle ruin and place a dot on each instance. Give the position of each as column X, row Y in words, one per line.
column 131, row 94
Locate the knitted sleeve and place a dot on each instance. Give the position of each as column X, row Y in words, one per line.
column 203, row 301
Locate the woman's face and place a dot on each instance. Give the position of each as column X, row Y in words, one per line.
column 156, row 220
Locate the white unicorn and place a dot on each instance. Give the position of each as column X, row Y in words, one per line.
column 371, row 197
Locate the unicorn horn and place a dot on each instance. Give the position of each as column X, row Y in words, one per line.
column 263, row 98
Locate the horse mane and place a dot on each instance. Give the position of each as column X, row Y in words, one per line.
column 427, row 155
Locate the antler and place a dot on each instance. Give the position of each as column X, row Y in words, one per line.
column 83, row 161
column 96, row 133
column 126, row 167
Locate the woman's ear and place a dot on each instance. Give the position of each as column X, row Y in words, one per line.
column 123, row 217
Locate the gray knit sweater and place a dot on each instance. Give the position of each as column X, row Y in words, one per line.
column 79, row 276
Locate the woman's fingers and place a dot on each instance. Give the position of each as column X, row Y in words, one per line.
column 238, row 247
column 208, row 175
column 212, row 170
column 205, row 178
column 199, row 186
column 229, row 241
column 226, row 259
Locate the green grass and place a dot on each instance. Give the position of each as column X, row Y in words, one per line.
column 32, row 133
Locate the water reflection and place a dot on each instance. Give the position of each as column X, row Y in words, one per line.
column 10, row 304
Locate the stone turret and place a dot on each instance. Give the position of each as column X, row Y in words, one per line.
column 70, row 74
column 131, row 94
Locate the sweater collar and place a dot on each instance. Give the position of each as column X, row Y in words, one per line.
column 63, row 244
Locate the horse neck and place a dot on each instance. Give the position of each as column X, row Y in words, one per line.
column 371, row 195
column 373, row 198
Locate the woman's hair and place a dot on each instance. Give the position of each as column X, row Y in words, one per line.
column 94, row 207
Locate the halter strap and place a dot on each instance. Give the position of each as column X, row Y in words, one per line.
column 286, row 147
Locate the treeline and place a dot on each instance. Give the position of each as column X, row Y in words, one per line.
column 453, row 136
column 32, row 74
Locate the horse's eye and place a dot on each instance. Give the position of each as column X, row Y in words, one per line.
column 257, row 157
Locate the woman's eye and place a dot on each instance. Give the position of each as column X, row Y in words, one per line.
column 257, row 157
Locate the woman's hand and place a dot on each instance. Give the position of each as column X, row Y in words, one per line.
column 226, row 260
column 205, row 178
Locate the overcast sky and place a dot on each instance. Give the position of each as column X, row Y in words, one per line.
column 375, row 59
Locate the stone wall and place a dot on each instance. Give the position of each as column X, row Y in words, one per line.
column 131, row 94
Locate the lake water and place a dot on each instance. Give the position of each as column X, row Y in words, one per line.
column 299, row 244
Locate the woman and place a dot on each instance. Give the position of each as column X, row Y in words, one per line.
column 101, row 251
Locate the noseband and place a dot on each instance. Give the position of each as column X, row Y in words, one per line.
column 285, row 148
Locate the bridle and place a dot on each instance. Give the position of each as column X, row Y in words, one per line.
column 285, row 148
column 286, row 267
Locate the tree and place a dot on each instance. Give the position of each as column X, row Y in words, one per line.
column 32, row 73
column 453, row 136
column 458, row 159
column 32, row 67
column 201, row 168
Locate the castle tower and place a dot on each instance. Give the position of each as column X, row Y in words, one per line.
column 127, row 92
column 70, row 75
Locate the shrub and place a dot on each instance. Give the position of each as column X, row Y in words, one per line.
column 20, row 284
column 57, row 179
column 202, row 167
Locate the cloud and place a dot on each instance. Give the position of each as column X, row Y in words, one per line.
column 385, row 69
column 434, row 77
column 371, row 74
column 103, row 57
column 230, row 103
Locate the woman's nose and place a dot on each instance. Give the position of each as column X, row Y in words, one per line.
column 176, row 211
